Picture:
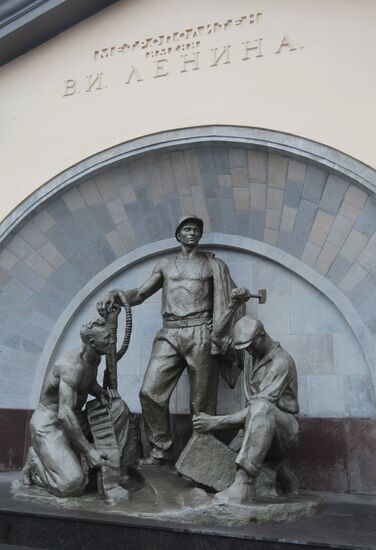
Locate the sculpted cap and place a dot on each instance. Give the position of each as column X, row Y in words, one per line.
column 245, row 330
column 186, row 219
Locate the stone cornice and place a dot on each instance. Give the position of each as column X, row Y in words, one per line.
column 25, row 24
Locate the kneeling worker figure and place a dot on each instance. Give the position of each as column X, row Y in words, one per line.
column 269, row 419
column 59, row 425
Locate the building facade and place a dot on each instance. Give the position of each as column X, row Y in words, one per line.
column 259, row 117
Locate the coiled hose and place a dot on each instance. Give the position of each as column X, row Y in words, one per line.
column 110, row 378
column 128, row 325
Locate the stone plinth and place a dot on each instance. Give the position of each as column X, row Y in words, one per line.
column 159, row 493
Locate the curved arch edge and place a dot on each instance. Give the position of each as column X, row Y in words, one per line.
column 220, row 240
column 278, row 142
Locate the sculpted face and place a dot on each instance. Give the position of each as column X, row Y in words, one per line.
column 189, row 234
column 257, row 346
column 101, row 339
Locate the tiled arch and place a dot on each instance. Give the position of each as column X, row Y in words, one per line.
column 311, row 213
column 304, row 311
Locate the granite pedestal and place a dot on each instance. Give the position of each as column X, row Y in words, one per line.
column 345, row 522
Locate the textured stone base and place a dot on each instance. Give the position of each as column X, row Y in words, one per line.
column 261, row 511
column 343, row 462
column 160, row 494
column 345, row 521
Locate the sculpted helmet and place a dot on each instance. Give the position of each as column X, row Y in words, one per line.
column 245, row 330
column 191, row 218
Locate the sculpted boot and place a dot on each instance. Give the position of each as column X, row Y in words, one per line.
column 241, row 491
column 153, row 461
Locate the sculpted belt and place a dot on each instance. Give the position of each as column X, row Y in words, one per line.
column 179, row 323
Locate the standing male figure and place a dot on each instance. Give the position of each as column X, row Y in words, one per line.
column 196, row 290
column 269, row 419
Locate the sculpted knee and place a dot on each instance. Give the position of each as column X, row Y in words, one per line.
column 74, row 486
column 261, row 407
column 145, row 395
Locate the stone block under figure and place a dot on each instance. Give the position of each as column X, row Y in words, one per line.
column 269, row 420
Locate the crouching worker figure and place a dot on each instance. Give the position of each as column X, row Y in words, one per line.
column 269, row 419
column 61, row 453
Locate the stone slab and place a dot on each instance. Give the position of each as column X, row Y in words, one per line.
column 321, row 458
column 104, row 440
column 343, row 523
column 157, row 493
column 360, row 435
column 333, row 194
column 314, row 183
column 208, row 462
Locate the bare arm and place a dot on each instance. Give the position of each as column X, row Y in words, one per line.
column 68, row 419
column 134, row 296
column 223, row 326
column 101, row 394
column 204, row 423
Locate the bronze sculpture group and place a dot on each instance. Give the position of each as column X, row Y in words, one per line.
column 205, row 330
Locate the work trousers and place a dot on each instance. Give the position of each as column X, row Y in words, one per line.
column 269, row 433
column 53, row 462
column 175, row 349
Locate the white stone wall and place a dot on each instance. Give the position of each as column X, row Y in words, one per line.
column 333, row 375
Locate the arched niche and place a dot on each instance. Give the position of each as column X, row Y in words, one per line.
column 303, row 312
column 311, row 206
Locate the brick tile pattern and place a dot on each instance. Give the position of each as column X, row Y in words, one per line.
column 318, row 217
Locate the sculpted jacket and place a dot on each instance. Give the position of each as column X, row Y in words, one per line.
column 229, row 359
column 273, row 378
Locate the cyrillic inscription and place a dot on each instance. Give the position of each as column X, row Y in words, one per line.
column 184, row 52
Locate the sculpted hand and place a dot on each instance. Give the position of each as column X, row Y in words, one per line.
column 204, row 423
column 105, row 399
column 107, row 304
column 95, row 458
column 240, row 295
